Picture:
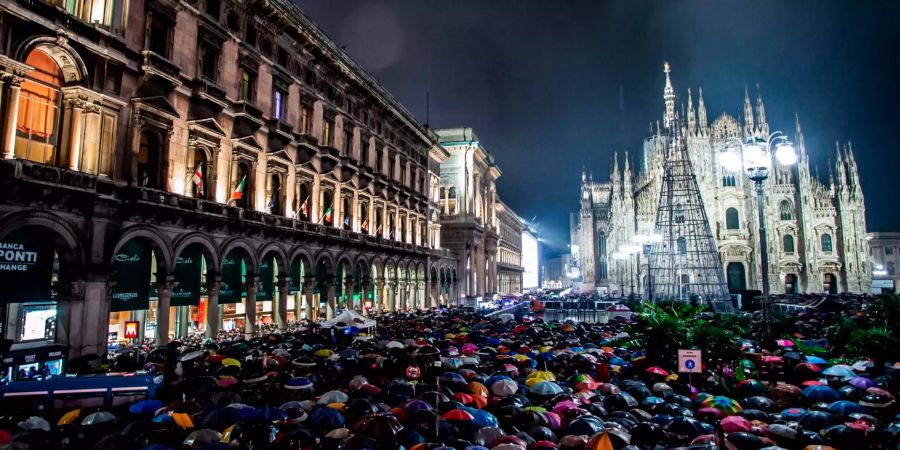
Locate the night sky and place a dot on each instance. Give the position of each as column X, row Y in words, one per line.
column 540, row 80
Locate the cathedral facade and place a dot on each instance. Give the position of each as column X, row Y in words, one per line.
column 815, row 229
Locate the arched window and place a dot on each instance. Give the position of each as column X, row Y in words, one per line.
column 452, row 194
column 732, row 219
column 274, row 204
column 346, row 213
column 728, row 180
column 682, row 245
column 38, row 119
column 826, row 243
column 787, row 243
column 787, row 210
column 148, row 160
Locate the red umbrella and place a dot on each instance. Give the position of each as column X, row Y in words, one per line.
column 772, row 359
column 458, row 414
column 657, row 371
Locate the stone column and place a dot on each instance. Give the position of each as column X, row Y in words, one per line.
column 379, row 297
column 137, row 124
column 75, row 133
column 13, row 88
column 364, row 291
column 212, row 320
column 392, row 296
column 330, row 300
column 163, row 307
column 250, row 310
column 284, row 285
column 312, row 306
column 348, row 291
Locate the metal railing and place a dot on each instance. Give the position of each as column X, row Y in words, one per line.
column 518, row 310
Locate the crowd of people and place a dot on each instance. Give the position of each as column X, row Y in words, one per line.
column 450, row 379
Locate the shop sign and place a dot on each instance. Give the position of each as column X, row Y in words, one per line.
column 131, row 329
column 233, row 270
column 188, row 271
column 26, row 268
column 131, row 277
column 689, row 361
column 266, row 279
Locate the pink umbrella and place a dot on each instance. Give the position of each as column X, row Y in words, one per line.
column 772, row 359
column 564, row 406
column 733, row 424
column 468, row 349
column 785, row 343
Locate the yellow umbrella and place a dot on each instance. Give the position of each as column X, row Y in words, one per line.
column 231, row 362
column 226, row 436
column 69, row 417
column 183, row 420
column 324, row 353
column 337, row 405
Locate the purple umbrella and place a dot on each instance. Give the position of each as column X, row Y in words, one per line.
column 862, row 382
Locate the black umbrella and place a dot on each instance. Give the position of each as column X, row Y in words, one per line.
column 648, row 435
column 745, row 441
column 684, row 428
column 587, row 425
column 380, row 426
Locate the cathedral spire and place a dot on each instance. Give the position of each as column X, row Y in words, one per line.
column 701, row 111
column 839, row 168
column 691, row 122
column 801, row 141
column 626, row 178
column 748, row 113
column 761, row 113
column 615, row 180
column 669, row 97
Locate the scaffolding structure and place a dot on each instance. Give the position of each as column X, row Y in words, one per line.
column 685, row 264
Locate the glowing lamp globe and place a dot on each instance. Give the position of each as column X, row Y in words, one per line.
column 730, row 160
column 785, row 154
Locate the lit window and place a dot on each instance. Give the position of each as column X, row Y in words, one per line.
column 248, row 83
column 37, row 122
column 278, row 104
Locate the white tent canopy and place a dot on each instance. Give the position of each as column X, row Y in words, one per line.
column 351, row 319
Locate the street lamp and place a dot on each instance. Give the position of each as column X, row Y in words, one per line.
column 629, row 251
column 754, row 157
column 646, row 241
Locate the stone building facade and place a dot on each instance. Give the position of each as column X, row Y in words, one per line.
column 468, row 199
column 509, row 250
column 589, row 234
column 233, row 131
column 815, row 229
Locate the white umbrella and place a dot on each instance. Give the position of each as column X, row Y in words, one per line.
column 333, row 397
column 98, row 418
column 34, row 423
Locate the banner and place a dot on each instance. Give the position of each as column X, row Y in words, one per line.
column 188, row 272
column 266, row 279
column 26, row 268
column 131, row 277
column 233, row 271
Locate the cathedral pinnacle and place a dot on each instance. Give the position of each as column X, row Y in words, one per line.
column 701, row 111
column 691, row 121
column 761, row 113
column 669, row 97
column 748, row 113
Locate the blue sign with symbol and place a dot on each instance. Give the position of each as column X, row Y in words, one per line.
column 690, row 364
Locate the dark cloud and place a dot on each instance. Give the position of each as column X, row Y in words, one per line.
column 540, row 80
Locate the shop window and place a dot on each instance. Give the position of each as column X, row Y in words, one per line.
column 364, row 152
column 274, row 204
column 38, row 119
column 826, row 243
column 347, row 212
column 242, row 187
column 732, row 219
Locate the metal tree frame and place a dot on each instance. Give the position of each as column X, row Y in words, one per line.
column 685, row 264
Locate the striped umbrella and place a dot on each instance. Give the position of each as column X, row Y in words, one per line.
column 726, row 405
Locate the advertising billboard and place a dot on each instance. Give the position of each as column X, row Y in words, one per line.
column 530, row 261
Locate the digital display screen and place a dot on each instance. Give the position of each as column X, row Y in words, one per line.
column 530, row 261
column 38, row 323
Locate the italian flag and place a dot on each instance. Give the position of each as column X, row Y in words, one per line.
column 327, row 215
column 198, row 179
column 239, row 190
column 304, row 208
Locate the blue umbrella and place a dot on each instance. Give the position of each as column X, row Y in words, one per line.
column 845, row 407
column 816, row 420
column 815, row 360
column 490, row 381
column 481, row 418
column 145, row 406
column 299, row 383
column 616, row 361
column 220, row 418
column 821, row 394
column 839, row 371
column 793, row 413
column 651, row 401
column 325, row 418
column 546, row 388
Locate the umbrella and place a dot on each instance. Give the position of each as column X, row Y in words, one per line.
column 36, row 423
column 98, row 418
column 586, row 425
column 326, row 418
column 379, row 426
column 845, row 407
column 333, row 397
column 821, row 394
column 685, row 428
column 793, row 413
column 816, row 420
column 733, row 424
column 861, row 382
column 458, row 414
column 504, row 387
column 546, row 388
column 145, row 406
column 815, row 360
column 840, row 371
column 725, row 405
column 299, row 384
column 657, row 371
column 69, row 417
column 785, row 343
column 751, row 387
column 201, row 437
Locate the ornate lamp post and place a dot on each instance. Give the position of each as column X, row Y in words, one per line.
column 645, row 242
column 754, row 157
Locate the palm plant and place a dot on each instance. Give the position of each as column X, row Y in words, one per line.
column 880, row 344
